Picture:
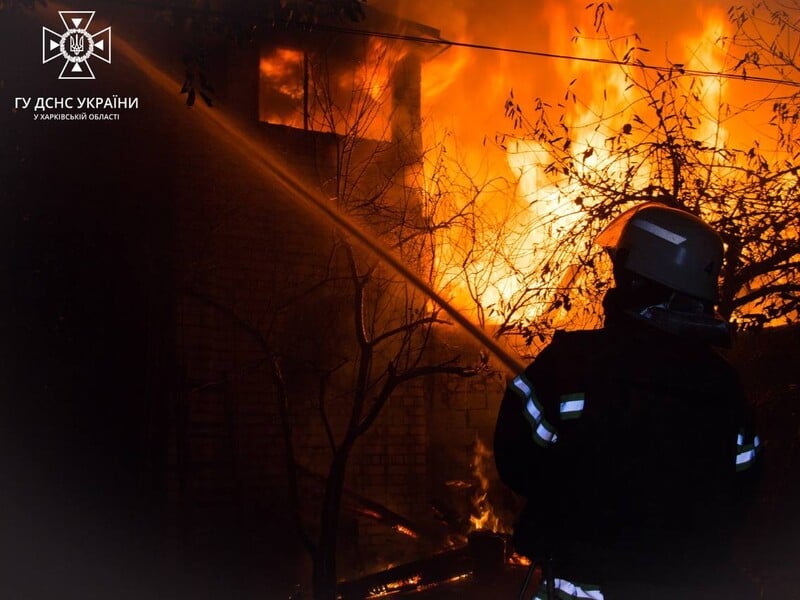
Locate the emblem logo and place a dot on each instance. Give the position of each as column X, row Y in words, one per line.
column 76, row 45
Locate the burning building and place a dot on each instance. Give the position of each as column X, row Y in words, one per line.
column 237, row 303
column 255, row 346
column 171, row 300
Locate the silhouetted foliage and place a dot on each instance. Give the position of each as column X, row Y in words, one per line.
column 667, row 144
column 765, row 40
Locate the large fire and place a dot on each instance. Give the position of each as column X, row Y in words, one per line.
column 509, row 218
column 536, row 214
column 487, row 269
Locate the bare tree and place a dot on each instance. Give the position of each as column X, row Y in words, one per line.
column 666, row 144
column 765, row 42
column 373, row 333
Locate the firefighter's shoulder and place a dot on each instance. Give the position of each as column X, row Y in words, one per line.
column 580, row 342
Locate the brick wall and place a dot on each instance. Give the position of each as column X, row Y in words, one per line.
column 243, row 250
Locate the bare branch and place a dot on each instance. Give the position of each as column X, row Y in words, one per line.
column 407, row 328
column 766, row 291
column 291, row 462
column 395, row 379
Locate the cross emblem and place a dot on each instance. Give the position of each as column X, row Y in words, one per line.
column 76, row 45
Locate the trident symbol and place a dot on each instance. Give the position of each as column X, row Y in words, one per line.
column 76, row 44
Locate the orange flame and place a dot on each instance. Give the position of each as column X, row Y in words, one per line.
column 331, row 93
column 486, row 271
column 485, row 518
column 490, row 272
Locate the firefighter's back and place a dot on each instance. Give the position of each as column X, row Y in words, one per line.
column 642, row 484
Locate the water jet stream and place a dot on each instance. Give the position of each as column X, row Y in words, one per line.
column 266, row 162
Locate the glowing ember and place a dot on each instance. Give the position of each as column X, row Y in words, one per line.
column 413, row 584
column 518, row 559
column 405, row 531
column 394, row 587
column 370, row 513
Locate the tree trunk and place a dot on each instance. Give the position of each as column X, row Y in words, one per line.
column 324, row 569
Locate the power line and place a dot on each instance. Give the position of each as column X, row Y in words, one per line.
column 437, row 41
column 680, row 69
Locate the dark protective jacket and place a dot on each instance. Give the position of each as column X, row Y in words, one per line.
column 633, row 448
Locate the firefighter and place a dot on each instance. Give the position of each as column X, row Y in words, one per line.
column 632, row 443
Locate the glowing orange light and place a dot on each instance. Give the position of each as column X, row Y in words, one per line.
column 485, row 517
column 489, row 271
column 405, row 531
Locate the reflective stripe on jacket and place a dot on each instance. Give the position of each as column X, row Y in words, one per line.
column 628, row 443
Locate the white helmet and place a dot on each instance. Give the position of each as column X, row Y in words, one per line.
column 668, row 246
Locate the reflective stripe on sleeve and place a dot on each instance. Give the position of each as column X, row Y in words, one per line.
column 543, row 433
column 571, row 406
column 533, row 410
column 521, row 385
column 745, row 459
column 568, row 589
column 746, row 453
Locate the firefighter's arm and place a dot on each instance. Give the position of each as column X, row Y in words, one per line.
column 748, row 453
column 524, row 434
column 749, row 457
